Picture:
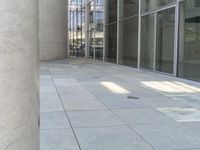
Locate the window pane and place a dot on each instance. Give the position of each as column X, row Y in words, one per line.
column 111, row 43
column 128, row 8
column 112, row 10
column 153, row 4
column 147, row 42
column 189, row 42
column 165, row 41
column 128, row 47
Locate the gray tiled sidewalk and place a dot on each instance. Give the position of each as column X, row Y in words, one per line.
column 92, row 105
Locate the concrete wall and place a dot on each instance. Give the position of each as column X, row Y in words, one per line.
column 53, row 29
column 19, row 85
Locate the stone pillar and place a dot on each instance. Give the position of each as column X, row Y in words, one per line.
column 19, row 77
column 53, row 29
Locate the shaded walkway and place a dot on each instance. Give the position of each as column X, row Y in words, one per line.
column 92, row 105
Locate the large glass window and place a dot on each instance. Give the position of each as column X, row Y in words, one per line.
column 129, row 8
column 128, row 32
column 111, row 31
column 99, row 33
column 165, row 40
column 112, row 10
column 111, row 49
column 76, row 15
column 148, row 5
column 147, row 41
column 189, row 42
column 96, row 32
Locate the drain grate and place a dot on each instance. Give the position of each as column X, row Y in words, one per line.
column 96, row 77
column 132, row 97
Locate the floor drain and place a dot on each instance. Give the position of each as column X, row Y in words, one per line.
column 96, row 77
column 132, row 97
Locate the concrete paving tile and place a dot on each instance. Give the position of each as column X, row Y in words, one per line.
column 46, row 82
column 72, row 90
column 142, row 102
column 161, row 101
column 110, row 138
column 181, row 114
column 66, row 82
column 142, row 116
column 122, row 103
column 48, row 89
column 82, row 104
column 78, row 96
column 49, row 96
column 168, row 136
column 193, row 101
column 93, row 118
column 61, row 76
column 60, row 139
column 54, row 120
column 194, row 127
column 50, row 102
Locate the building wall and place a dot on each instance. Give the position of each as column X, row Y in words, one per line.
column 53, row 29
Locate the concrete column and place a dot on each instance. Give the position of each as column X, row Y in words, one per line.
column 53, row 29
column 19, row 85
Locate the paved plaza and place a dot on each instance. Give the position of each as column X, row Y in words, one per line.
column 92, row 105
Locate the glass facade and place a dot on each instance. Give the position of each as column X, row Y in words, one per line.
column 157, row 36
column 189, row 42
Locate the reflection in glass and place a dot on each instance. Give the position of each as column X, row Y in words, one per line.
column 189, row 49
column 128, row 47
column 96, row 18
column 111, row 46
column 147, row 42
column 153, row 4
column 76, row 15
column 129, row 8
column 128, row 32
column 165, row 40
column 112, row 10
column 111, row 31
column 99, row 33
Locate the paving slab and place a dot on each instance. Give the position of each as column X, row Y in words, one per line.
column 110, row 138
column 59, row 139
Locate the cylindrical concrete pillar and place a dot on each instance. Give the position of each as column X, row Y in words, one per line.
column 53, row 29
column 19, row 102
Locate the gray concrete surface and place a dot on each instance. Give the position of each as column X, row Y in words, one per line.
column 85, row 106
column 19, row 75
column 53, row 29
